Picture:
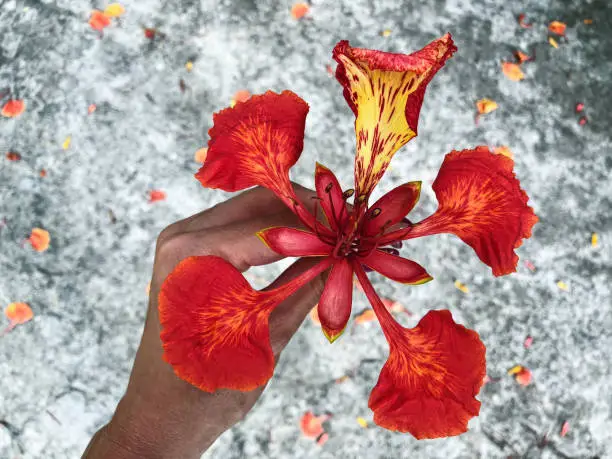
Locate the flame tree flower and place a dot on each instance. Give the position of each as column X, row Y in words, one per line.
column 215, row 326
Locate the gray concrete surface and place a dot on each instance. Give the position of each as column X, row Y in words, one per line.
column 62, row 373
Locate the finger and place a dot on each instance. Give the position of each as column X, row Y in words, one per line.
column 289, row 315
column 256, row 202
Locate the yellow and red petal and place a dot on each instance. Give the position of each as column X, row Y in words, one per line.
column 391, row 208
column 396, row 268
column 215, row 330
column 334, row 307
column 481, row 201
column 291, row 242
column 385, row 91
column 331, row 197
column 434, row 371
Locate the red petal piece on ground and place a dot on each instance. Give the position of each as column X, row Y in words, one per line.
column 311, row 425
column 299, row 10
column 331, row 197
column 513, row 71
column 336, row 300
column 557, row 27
column 156, row 195
column 396, row 268
column 215, row 330
column 385, row 91
column 13, row 156
column 481, row 201
column 98, row 20
column 292, row 242
column 434, row 371
column 13, row 108
column 39, row 238
column 18, row 313
column 391, row 208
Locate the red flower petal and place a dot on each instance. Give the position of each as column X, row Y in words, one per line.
column 292, row 242
column 434, row 371
column 256, row 143
column 385, row 91
column 331, row 197
column 391, row 208
column 481, row 201
column 215, row 326
column 13, row 108
column 98, row 20
column 396, row 268
column 336, row 300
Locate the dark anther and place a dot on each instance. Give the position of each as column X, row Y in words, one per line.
column 405, row 220
column 366, row 269
column 375, row 213
column 396, row 244
column 329, row 187
column 348, row 193
column 390, row 250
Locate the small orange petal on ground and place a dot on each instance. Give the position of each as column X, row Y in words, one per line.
column 342, row 379
column 18, row 313
column 200, row 155
column 513, row 71
column 314, row 315
column 557, row 27
column 241, row 96
column 394, row 306
column 311, row 425
column 40, row 239
column 13, row 108
column 462, row 287
column 114, row 10
column 522, row 374
column 91, row 108
column 530, row 266
column 503, row 150
column 299, row 10
column 521, row 56
column 157, row 195
column 588, row 21
column 486, row 106
column 43, row 172
column 13, row 156
column 98, row 20
column 366, row 316
column 553, row 42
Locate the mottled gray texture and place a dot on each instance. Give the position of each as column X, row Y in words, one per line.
column 62, row 374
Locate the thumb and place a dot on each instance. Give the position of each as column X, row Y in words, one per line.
column 288, row 316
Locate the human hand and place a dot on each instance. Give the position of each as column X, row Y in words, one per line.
column 162, row 416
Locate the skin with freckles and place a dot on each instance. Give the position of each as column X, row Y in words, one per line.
column 162, row 416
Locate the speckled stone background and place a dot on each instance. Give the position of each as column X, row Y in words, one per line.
column 62, row 374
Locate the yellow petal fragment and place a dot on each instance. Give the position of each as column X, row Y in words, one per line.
column 200, row 155
column 461, row 287
column 485, row 106
column 362, row 422
column 563, row 286
column 386, row 32
column 553, row 42
column 594, row 240
column 67, row 142
column 189, row 66
column 114, row 10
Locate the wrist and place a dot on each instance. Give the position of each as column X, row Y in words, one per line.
column 143, row 433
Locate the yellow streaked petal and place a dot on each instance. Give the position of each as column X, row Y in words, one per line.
column 362, row 422
column 594, row 240
column 462, row 287
column 563, row 286
column 67, row 142
column 114, row 10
